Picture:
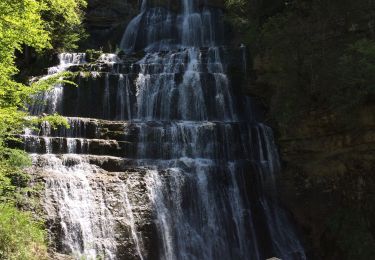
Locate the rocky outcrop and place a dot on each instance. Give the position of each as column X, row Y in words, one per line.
column 110, row 196
column 106, row 21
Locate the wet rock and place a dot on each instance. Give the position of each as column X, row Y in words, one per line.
column 106, row 21
column 120, row 196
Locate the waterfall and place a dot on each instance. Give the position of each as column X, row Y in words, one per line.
column 123, row 98
column 162, row 160
column 159, row 29
column 131, row 34
column 50, row 101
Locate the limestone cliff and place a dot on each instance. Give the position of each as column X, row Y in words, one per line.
column 328, row 181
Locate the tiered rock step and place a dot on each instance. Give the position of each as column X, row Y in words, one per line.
column 92, row 98
column 112, row 164
column 130, row 64
column 99, row 184
column 62, row 145
column 109, row 90
column 152, row 140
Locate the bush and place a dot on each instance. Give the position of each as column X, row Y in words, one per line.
column 93, row 55
column 21, row 237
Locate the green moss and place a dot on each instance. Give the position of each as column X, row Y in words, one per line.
column 93, row 55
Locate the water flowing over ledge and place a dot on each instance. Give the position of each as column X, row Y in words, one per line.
column 163, row 160
column 159, row 29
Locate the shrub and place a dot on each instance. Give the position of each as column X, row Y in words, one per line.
column 21, row 238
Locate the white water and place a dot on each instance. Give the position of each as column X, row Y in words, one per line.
column 131, row 34
column 157, row 29
column 50, row 102
column 124, row 110
column 202, row 230
column 72, row 195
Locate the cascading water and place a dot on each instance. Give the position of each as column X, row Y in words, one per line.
column 175, row 165
column 51, row 100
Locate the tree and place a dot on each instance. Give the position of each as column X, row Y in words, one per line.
column 63, row 20
column 39, row 24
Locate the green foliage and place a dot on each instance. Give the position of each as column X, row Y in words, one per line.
column 238, row 17
column 93, row 55
column 306, row 64
column 352, row 234
column 39, row 24
column 237, row 14
column 357, row 75
column 20, row 23
column 21, row 237
column 311, row 56
column 63, row 20
column 54, row 120
column 12, row 176
column 246, row 17
column 287, row 61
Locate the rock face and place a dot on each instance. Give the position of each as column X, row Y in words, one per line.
column 106, row 21
column 90, row 209
column 328, row 180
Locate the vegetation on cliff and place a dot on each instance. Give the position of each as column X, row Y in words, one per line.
column 320, row 56
column 25, row 24
column 314, row 66
column 63, row 21
column 309, row 55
